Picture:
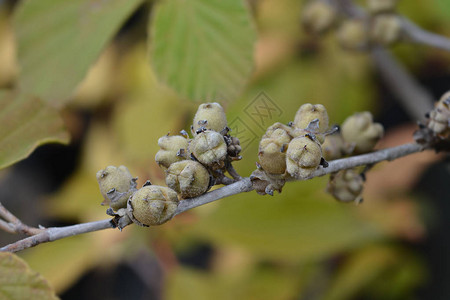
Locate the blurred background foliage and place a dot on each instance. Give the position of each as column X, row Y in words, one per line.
column 300, row 244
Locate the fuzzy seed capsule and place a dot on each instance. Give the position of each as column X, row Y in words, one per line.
column 309, row 112
column 346, row 186
column 361, row 132
column 272, row 150
column 303, row 157
column 116, row 185
column 334, row 147
column 378, row 6
column 386, row 29
column 210, row 116
column 152, row 205
column 173, row 149
column 188, row 178
column 318, row 16
column 209, row 148
column 353, row 35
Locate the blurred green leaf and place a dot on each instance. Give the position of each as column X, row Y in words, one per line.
column 260, row 283
column 64, row 261
column 203, row 48
column 385, row 272
column 59, row 40
column 360, row 269
column 18, row 281
column 301, row 223
column 25, row 123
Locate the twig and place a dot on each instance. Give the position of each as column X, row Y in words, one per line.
column 418, row 35
column 12, row 224
column 233, row 172
column 414, row 99
column 368, row 159
column 55, row 233
column 241, row 186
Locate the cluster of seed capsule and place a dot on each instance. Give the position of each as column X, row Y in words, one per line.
column 436, row 129
column 298, row 149
column 191, row 165
column 357, row 135
column 292, row 150
column 381, row 26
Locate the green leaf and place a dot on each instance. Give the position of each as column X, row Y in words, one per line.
column 18, row 281
column 59, row 40
column 302, row 223
column 203, row 48
column 25, row 123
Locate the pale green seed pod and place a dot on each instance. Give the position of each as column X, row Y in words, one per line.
column 334, row 147
column 386, row 29
column 303, row 157
column 173, row 149
column 272, row 150
column 346, row 186
column 378, row 6
column 318, row 16
column 188, row 178
column 361, row 132
column 152, row 205
column 116, row 185
column 309, row 112
column 353, row 35
column 210, row 116
column 209, row 148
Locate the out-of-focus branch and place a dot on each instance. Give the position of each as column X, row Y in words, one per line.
column 241, row 186
column 418, row 35
column 414, row 99
column 411, row 95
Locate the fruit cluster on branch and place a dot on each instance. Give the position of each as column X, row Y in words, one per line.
column 191, row 165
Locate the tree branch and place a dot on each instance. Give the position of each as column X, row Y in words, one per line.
column 12, row 224
column 55, row 233
column 241, row 186
column 418, row 35
column 414, row 99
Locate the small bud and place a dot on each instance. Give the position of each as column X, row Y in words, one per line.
column 172, row 150
column 234, row 146
column 353, row 35
column 303, row 157
column 188, row 178
column 116, row 185
column 318, row 16
column 209, row 148
column 346, row 186
column 334, row 147
column 152, row 205
column 386, row 29
column 272, row 152
column 378, row 6
column 360, row 131
column 210, row 116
